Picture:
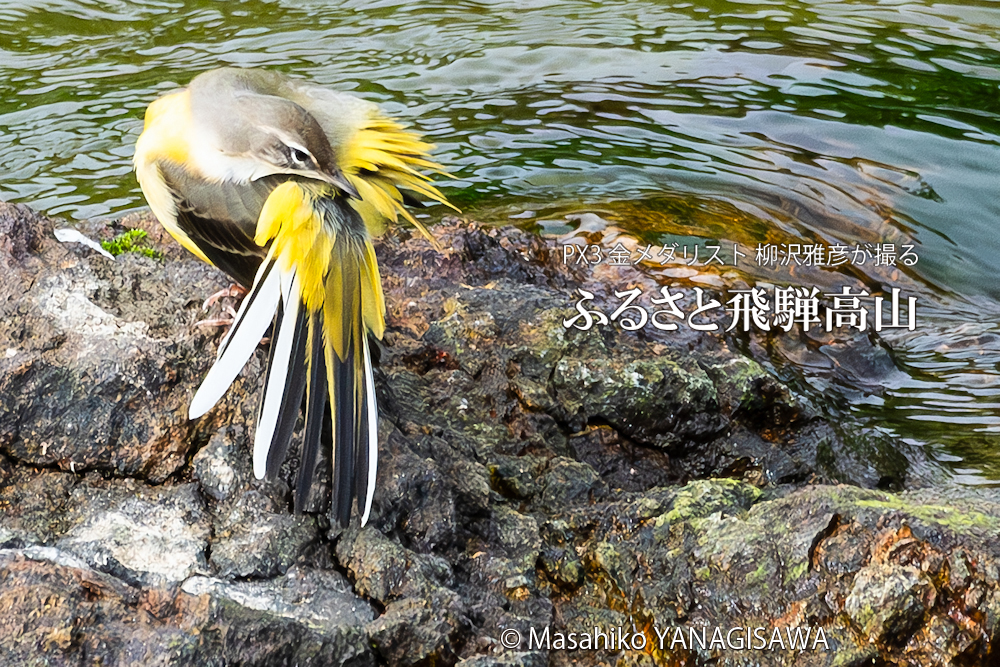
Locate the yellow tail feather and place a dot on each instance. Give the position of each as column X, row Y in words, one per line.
column 332, row 265
column 298, row 236
column 390, row 155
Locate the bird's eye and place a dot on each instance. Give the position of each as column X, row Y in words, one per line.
column 300, row 156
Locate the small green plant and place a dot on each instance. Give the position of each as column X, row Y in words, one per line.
column 130, row 241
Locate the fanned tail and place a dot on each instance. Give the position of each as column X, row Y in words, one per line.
column 352, row 284
column 331, row 300
column 320, row 286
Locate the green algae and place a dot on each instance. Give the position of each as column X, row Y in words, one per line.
column 702, row 498
column 132, row 240
column 952, row 518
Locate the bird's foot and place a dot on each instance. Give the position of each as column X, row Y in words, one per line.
column 233, row 291
column 219, row 321
column 228, row 316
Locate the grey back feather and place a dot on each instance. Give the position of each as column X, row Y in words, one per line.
column 249, row 113
column 262, row 95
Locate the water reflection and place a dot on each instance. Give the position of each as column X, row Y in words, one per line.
column 826, row 121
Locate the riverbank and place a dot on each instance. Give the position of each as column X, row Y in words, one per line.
column 532, row 476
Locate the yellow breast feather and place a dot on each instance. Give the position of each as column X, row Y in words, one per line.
column 163, row 139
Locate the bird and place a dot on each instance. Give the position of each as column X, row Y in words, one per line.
column 282, row 184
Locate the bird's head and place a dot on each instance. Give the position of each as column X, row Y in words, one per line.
column 286, row 138
column 248, row 134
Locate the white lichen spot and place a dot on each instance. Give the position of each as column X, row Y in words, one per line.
column 65, row 302
column 225, row 476
column 143, row 537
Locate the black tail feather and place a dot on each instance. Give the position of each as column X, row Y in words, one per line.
column 375, row 350
column 344, row 420
column 315, row 415
column 295, row 386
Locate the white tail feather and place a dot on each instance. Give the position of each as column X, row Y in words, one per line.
column 252, row 320
column 224, row 343
column 274, row 392
column 372, row 431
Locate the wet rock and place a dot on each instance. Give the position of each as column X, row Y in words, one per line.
column 257, row 539
column 723, row 552
column 517, row 476
column 701, row 499
column 558, row 559
column 622, row 463
column 845, row 548
column 83, row 386
column 494, row 358
column 567, row 482
column 419, row 632
column 144, row 536
column 381, row 569
column 518, row 537
column 219, row 466
column 888, row 602
column 35, row 505
column 302, row 617
column 563, row 567
column 424, row 621
column 531, row 476
column 420, row 497
column 663, row 401
column 513, row 659
column 57, row 609
column 22, row 231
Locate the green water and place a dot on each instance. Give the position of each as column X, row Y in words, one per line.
column 741, row 121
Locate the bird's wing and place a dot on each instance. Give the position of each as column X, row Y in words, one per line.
column 162, row 140
column 220, row 218
column 379, row 155
column 213, row 219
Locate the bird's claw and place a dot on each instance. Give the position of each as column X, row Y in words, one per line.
column 219, row 321
column 234, row 291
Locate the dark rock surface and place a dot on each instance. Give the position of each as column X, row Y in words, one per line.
column 594, row 485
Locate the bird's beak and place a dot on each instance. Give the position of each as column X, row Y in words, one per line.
column 339, row 181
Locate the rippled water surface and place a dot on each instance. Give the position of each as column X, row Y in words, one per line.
column 832, row 122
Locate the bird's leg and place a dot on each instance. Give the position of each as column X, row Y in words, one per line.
column 234, row 291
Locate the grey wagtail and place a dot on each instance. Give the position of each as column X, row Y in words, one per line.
column 281, row 184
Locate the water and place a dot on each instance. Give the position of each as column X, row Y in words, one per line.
column 747, row 122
